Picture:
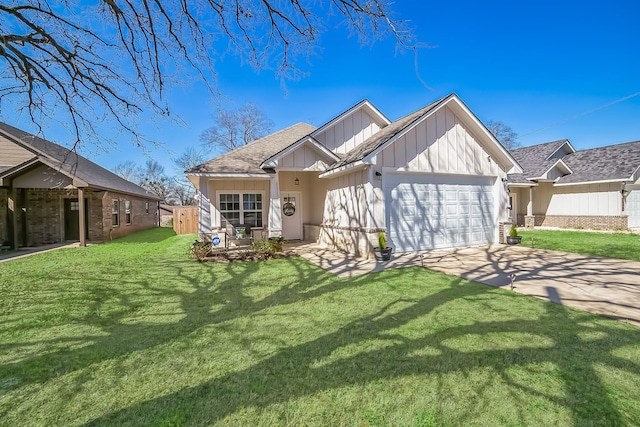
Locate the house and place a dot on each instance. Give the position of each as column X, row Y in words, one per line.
column 166, row 215
column 435, row 178
column 44, row 187
column 561, row 187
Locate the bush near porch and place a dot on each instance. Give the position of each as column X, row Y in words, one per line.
column 609, row 245
column 136, row 332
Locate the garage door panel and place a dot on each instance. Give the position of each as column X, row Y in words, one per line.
column 450, row 212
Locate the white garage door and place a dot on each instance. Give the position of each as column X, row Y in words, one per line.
column 633, row 208
column 434, row 211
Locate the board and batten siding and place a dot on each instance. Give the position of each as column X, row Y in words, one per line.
column 349, row 132
column 346, row 202
column 439, row 144
column 12, row 154
column 303, row 158
column 588, row 199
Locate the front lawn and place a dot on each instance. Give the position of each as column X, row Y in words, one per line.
column 134, row 332
column 609, row 245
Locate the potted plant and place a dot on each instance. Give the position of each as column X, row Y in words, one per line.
column 513, row 238
column 382, row 252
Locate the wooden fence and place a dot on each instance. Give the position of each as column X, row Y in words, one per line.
column 185, row 219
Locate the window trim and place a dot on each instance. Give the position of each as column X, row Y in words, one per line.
column 115, row 212
column 128, row 217
column 241, row 194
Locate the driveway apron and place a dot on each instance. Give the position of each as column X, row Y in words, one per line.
column 610, row 287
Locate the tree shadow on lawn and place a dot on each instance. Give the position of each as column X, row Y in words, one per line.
column 195, row 309
column 308, row 368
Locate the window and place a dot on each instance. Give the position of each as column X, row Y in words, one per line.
column 249, row 212
column 74, row 206
column 146, row 207
column 127, row 211
column 252, row 209
column 115, row 212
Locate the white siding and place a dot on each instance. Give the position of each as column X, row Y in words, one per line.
column 349, row 132
column 346, row 203
column 303, row 158
column 239, row 186
column 440, row 144
column 589, row 199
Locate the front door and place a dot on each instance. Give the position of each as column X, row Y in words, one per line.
column 72, row 219
column 291, row 215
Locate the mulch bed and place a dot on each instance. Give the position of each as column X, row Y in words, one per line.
column 243, row 255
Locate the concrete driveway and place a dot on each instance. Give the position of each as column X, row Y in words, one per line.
column 609, row 287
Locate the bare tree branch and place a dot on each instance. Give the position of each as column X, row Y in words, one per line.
column 112, row 60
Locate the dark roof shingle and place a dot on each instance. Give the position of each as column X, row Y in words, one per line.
column 613, row 162
column 534, row 159
column 71, row 163
column 248, row 158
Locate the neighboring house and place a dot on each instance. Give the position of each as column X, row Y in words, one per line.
column 44, row 187
column 561, row 187
column 166, row 215
column 433, row 179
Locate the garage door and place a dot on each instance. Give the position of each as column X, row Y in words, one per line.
column 633, row 209
column 434, row 211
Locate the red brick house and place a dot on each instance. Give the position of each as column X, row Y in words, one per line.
column 44, row 187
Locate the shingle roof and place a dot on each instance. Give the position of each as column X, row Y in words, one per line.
column 534, row 159
column 248, row 158
column 385, row 134
column 518, row 178
column 613, row 162
column 71, row 163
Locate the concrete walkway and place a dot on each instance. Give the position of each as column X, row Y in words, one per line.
column 25, row 252
column 609, row 287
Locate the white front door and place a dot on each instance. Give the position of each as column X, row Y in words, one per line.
column 291, row 215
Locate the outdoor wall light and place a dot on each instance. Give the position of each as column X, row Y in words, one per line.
column 378, row 173
column 296, row 181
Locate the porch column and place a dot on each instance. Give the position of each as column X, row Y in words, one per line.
column 13, row 206
column 81, row 219
column 274, row 226
column 530, row 220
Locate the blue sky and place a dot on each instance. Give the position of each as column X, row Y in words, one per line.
column 549, row 69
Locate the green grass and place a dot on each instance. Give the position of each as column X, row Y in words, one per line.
column 610, row 245
column 136, row 333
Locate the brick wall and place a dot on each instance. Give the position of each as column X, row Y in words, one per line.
column 45, row 215
column 586, row 222
column 140, row 218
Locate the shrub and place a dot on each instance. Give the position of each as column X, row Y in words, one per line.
column 268, row 247
column 513, row 232
column 199, row 250
column 382, row 241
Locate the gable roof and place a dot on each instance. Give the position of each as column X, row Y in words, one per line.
column 364, row 104
column 535, row 159
column 248, row 158
column 84, row 172
column 617, row 162
column 379, row 138
column 611, row 163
